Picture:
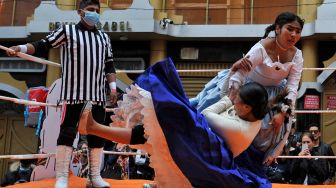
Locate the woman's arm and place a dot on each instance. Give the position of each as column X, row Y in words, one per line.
column 217, row 122
column 221, row 124
column 248, row 63
column 220, row 106
column 294, row 77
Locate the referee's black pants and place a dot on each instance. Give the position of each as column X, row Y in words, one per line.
column 70, row 124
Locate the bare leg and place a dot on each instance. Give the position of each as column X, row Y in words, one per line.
column 116, row 134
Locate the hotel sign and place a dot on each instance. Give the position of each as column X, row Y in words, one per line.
column 123, row 26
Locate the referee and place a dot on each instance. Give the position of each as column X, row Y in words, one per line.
column 87, row 62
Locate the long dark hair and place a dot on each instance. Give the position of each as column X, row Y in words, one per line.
column 255, row 95
column 281, row 20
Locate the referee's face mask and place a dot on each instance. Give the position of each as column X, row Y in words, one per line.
column 91, row 15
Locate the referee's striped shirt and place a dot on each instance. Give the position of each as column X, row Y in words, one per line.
column 83, row 57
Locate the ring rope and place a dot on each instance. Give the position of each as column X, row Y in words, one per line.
column 180, row 71
column 27, row 102
column 34, row 103
column 46, row 155
column 27, row 156
column 306, row 157
column 314, row 111
column 41, row 156
column 295, row 111
column 212, row 70
column 43, row 61
column 319, row 69
column 31, row 58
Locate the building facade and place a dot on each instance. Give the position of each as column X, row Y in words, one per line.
column 198, row 34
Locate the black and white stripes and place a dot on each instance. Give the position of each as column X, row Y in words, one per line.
column 83, row 56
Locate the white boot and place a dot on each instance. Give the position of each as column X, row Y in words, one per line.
column 94, row 180
column 63, row 157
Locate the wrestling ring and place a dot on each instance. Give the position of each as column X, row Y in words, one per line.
column 77, row 182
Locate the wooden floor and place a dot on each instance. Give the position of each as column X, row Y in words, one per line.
column 76, row 182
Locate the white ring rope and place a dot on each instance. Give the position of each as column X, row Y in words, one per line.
column 295, row 111
column 307, row 157
column 41, row 156
column 109, row 109
column 27, row 156
column 43, row 61
column 46, row 155
column 180, row 71
column 26, row 102
column 314, row 111
column 319, row 69
column 34, row 103
column 32, row 58
column 211, row 70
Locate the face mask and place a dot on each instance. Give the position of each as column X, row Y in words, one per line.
column 91, row 18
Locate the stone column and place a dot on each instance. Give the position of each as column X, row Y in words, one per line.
column 53, row 73
column 308, row 11
column 158, row 50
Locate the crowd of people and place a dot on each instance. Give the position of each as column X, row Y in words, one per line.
column 230, row 134
column 307, row 171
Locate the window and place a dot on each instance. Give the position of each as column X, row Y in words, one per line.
column 129, row 63
column 13, row 64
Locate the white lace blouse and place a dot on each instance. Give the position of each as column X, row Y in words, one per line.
column 269, row 73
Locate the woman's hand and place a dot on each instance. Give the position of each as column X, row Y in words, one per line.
column 243, row 64
column 277, row 121
column 269, row 160
column 233, row 91
column 113, row 98
column 305, row 152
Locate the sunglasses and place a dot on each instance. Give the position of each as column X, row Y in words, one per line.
column 314, row 131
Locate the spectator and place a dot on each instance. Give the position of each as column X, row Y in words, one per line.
column 308, row 171
column 294, row 140
column 82, row 158
column 19, row 174
column 143, row 170
column 112, row 167
column 324, row 150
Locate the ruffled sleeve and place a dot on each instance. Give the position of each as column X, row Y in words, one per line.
column 295, row 76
